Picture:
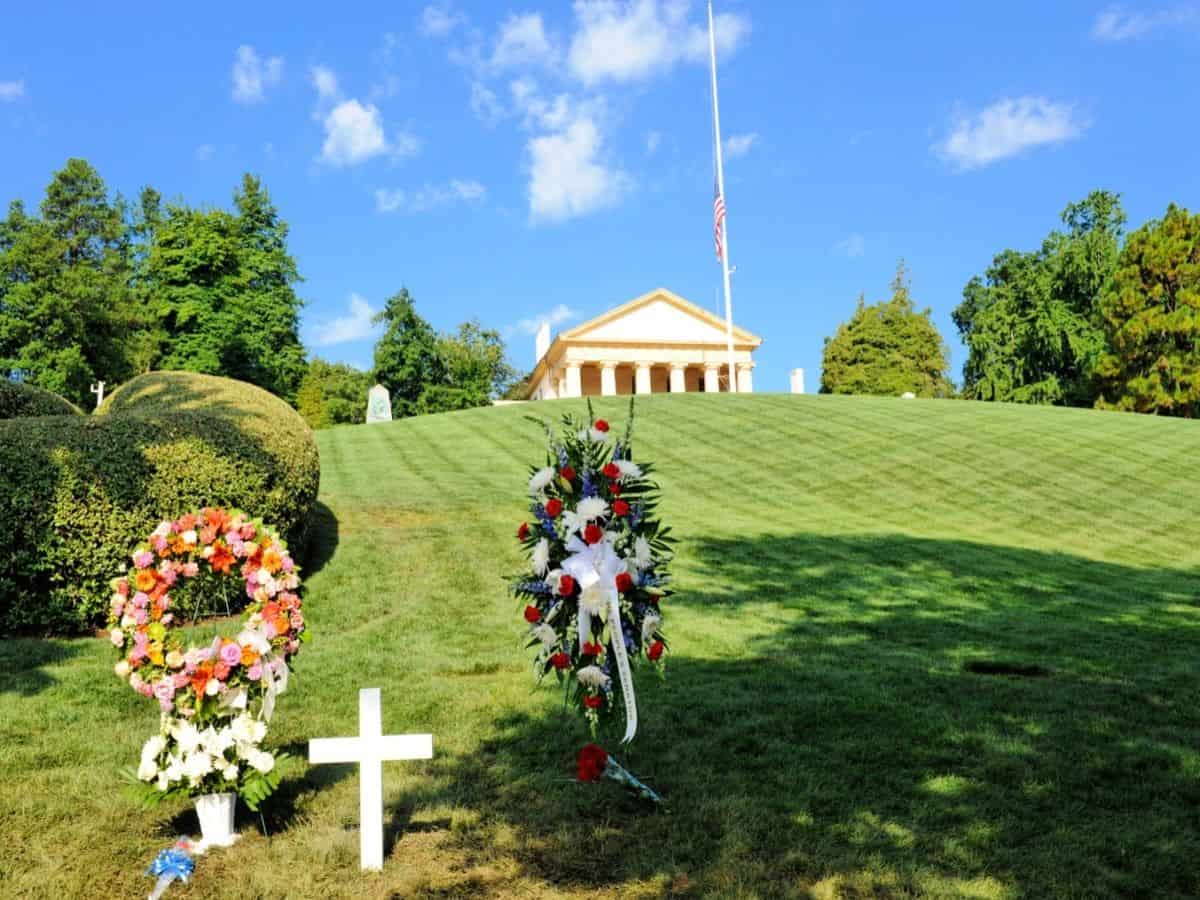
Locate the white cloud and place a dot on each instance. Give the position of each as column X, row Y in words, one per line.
column 252, row 75
column 653, row 139
column 11, row 90
column 568, row 178
column 205, row 152
column 555, row 317
column 325, row 81
column 739, row 144
column 429, row 197
column 539, row 112
column 353, row 134
column 1008, row 127
column 353, row 327
column 1117, row 24
column 628, row 40
column 852, row 247
column 523, row 42
column 439, row 20
column 484, row 103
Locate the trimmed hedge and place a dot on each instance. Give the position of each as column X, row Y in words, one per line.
column 79, row 492
column 19, row 400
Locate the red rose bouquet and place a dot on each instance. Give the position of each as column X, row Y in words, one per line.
column 598, row 555
column 594, row 763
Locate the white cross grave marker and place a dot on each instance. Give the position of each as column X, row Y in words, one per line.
column 369, row 750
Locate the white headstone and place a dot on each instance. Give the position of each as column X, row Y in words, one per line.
column 379, row 405
column 370, row 749
column 542, row 342
column 908, row 395
column 797, row 381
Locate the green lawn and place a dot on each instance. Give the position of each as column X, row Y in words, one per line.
column 852, row 573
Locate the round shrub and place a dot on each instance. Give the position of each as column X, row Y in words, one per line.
column 79, row 492
column 19, row 400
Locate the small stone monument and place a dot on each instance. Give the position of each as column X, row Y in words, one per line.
column 797, row 381
column 379, row 405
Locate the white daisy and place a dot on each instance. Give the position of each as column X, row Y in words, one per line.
column 591, row 508
column 593, row 677
column 641, row 553
column 541, row 556
column 541, row 478
column 629, row 469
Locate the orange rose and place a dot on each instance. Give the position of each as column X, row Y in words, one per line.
column 145, row 579
column 249, row 656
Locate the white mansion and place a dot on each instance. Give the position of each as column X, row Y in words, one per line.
column 658, row 343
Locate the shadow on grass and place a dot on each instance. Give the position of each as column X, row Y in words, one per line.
column 848, row 747
column 22, row 661
column 322, row 538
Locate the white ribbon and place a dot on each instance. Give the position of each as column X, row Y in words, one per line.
column 597, row 565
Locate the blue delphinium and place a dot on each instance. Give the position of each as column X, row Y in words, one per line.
column 539, row 512
column 588, row 489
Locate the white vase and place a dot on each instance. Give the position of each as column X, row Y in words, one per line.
column 215, row 812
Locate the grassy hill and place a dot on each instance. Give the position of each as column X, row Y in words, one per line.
column 919, row 649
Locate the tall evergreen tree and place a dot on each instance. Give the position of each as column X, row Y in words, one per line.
column 887, row 348
column 1151, row 314
column 65, row 314
column 407, row 357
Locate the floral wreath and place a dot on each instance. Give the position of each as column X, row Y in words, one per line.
column 598, row 557
column 215, row 700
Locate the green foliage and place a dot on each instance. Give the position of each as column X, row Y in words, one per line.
column 476, row 367
column 65, row 313
column 407, row 356
column 333, row 394
column 92, row 289
column 253, row 787
column 1151, row 315
column 1031, row 322
column 887, row 348
column 79, row 492
column 19, row 400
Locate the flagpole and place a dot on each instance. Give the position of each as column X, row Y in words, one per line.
column 712, row 52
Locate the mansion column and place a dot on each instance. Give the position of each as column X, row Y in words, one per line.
column 678, row 378
column 712, row 378
column 574, row 381
column 745, row 378
column 643, row 378
column 608, row 379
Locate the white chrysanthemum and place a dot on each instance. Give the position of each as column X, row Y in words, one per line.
column 174, row 769
column 541, row 557
column 261, row 760
column 196, row 766
column 591, row 508
column 594, row 435
column 216, row 742
column 541, row 478
column 246, row 730
column 147, row 769
column 230, row 772
column 642, row 555
column 546, row 634
column 186, row 736
column 572, row 521
column 594, row 600
column 553, row 579
column 163, row 782
column 593, row 677
column 629, row 469
column 650, row 625
column 153, row 747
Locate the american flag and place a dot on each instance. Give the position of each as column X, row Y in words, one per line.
column 718, row 220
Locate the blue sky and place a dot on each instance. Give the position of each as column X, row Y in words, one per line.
column 516, row 162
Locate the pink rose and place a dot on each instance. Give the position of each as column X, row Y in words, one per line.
column 254, row 673
column 181, row 680
column 287, row 564
column 143, row 560
column 159, row 542
column 141, row 617
column 191, row 570
column 231, row 654
column 145, row 689
column 169, row 576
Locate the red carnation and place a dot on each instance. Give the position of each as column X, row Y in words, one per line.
column 523, row 532
column 566, row 585
column 567, row 472
column 612, row 470
column 624, row 582
column 593, row 701
column 593, row 760
column 615, row 489
column 620, row 508
column 560, row 661
column 590, row 649
column 601, row 425
column 553, row 507
column 655, row 651
column 593, row 534
column 531, row 614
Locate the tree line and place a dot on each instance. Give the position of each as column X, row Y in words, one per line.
column 1093, row 317
column 96, row 287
